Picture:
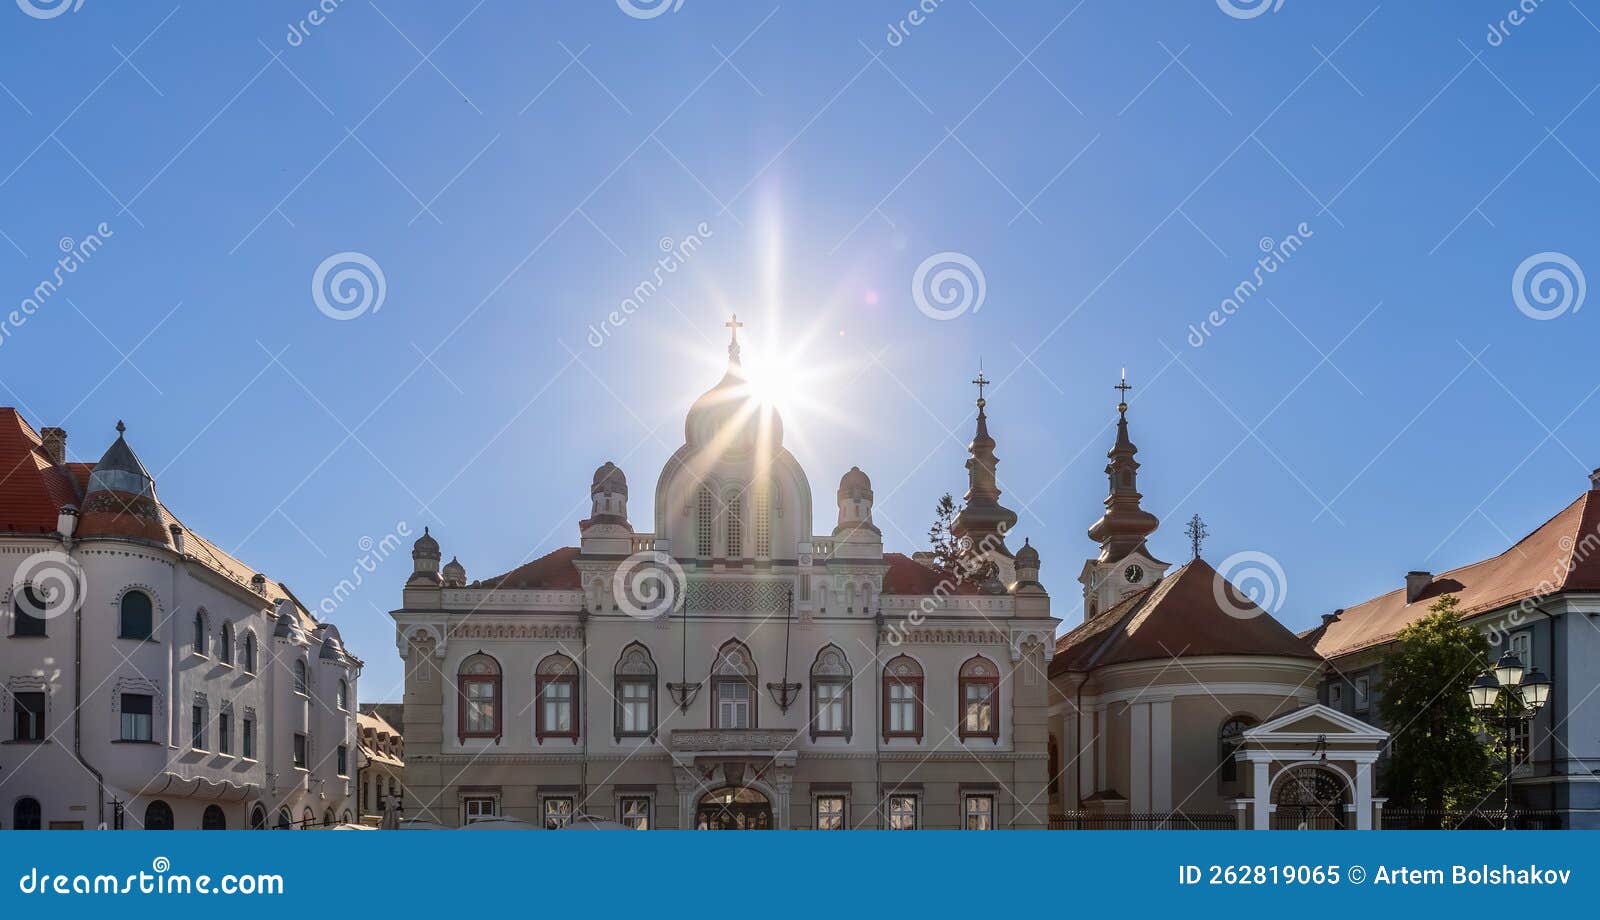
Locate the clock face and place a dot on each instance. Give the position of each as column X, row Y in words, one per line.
column 1134, row 574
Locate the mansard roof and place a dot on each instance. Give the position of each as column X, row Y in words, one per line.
column 1563, row 554
column 1193, row 612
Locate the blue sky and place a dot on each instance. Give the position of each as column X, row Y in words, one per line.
column 1379, row 404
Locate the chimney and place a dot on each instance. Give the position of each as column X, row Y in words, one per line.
column 1594, row 479
column 1328, row 619
column 258, row 583
column 177, row 539
column 55, row 444
column 1416, row 583
column 67, row 520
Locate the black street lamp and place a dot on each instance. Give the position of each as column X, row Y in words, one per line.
column 1525, row 691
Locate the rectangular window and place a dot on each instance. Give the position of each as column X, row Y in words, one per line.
column 23, row 621
column 28, row 723
column 480, row 711
column 702, row 525
column 735, row 515
column 555, row 707
column 478, row 808
column 1521, row 645
column 902, row 812
column 247, row 739
column 1362, row 695
column 342, row 761
column 763, row 523
column 634, row 707
column 138, row 711
column 300, row 752
column 830, row 813
column 225, row 734
column 831, row 713
column 977, row 704
column 733, row 704
column 1336, row 696
column 979, row 812
column 197, row 728
column 902, row 708
column 557, row 812
column 636, row 812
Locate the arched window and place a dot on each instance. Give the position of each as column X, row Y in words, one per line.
column 302, row 683
column 478, row 690
column 327, row 818
column 136, row 616
column 307, row 818
column 200, row 644
column 158, row 816
column 635, row 691
column 704, row 514
column 285, row 820
column 26, row 815
column 249, row 652
column 225, row 648
column 902, row 699
column 555, row 698
column 28, row 610
column 733, row 510
column 763, row 500
column 258, row 818
column 979, row 690
column 734, row 702
column 830, row 694
column 1230, row 737
column 348, row 819
column 213, row 819
column 343, row 697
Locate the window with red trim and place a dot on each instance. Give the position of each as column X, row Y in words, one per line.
column 478, row 689
column 555, row 687
column 979, row 699
column 902, row 699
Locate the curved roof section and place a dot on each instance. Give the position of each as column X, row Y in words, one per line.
column 552, row 570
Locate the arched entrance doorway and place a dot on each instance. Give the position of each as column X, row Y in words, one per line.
column 1309, row 798
column 734, row 808
column 213, row 819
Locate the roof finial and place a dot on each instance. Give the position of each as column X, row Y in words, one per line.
column 1124, row 386
column 733, row 326
column 121, row 427
column 981, row 381
column 1197, row 534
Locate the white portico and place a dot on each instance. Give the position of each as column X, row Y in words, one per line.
column 1311, row 769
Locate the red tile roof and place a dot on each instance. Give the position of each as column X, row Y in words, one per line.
column 32, row 487
column 908, row 576
column 1179, row 616
column 552, row 570
column 1563, row 554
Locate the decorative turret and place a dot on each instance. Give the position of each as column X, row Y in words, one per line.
column 982, row 519
column 121, row 497
column 608, row 494
column 855, row 537
column 455, row 574
column 425, row 560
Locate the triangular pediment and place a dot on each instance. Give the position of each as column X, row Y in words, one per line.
column 1315, row 720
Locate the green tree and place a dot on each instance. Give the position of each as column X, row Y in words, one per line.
column 956, row 558
column 1438, row 761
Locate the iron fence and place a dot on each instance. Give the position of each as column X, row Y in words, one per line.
column 1400, row 819
column 1174, row 821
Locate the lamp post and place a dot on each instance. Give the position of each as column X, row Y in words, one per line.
column 1525, row 691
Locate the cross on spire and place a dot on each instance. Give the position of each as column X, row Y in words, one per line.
column 980, row 382
column 1124, row 386
column 1197, row 534
column 733, row 325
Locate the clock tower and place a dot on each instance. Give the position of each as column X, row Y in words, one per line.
column 1125, row 564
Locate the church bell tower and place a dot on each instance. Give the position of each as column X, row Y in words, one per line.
column 1125, row 564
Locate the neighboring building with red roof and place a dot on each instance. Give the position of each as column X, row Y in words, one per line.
column 734, row 668
column 1539, row 599
column 152, row 679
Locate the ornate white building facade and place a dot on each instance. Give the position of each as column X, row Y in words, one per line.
column 733, row 668
column 150, row 679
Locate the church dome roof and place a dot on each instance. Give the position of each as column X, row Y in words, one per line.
column 855, row 483
column 426, row 545
column 455, row 574
column 1027, row 556
column 609, row 478
column 730, row 416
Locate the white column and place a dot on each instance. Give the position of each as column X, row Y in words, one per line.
column 1084, row 726
column 1139, row 757
column 1161, row 756
column 1261, row 789
column 1102, row 732
column 1363, row 796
